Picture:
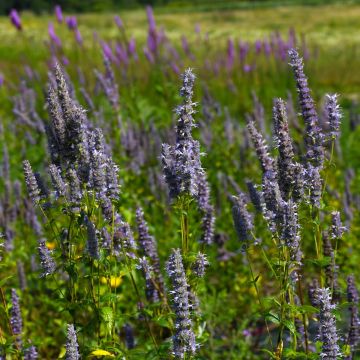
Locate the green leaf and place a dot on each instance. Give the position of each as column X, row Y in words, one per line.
column 107, row 316
column 290, row 325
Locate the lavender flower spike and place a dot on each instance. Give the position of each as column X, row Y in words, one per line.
column 243, row 221
column 200, row 265
column 15, row 318
column 15, row 19
column 313, row 134
column 31, row 353
column 148, row 245
column 72, row 347
column 47, row 262
column 184, row 337
column 353, row 299
column 327, row 326
column 337, row 229
column 261, row 148
column 92, row 241
column 31, row 183
column 333, row 114
column 286, row 152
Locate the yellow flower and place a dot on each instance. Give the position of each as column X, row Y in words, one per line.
column 115, row 281
column 51, row 245
column 100, row 352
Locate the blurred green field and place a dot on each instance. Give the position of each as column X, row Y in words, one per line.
column 333, row 29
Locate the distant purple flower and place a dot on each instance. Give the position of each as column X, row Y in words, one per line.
column 132, row 48
column 118, row 21
column 58, row 14
column 121, row 54
column 71, row 22
column 175, row 68
column 258, row 46
column 107, row 50
column 149, row 55
column 247, row 68
column 1, row 80
column 151, row 18
column 230, row 54
column 54, row 38
column 15, row 19
column 197, row 28
column 65, row 60
column 78, row 37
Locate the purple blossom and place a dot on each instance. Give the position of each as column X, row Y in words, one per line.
column 72, row 347
column 71, row 22
column 15, row 314
column 184, row 337
column 118, row 21
column 78, row 36
column 58, row 14
column 15, row 19
column 327, row 332
column 54, row 38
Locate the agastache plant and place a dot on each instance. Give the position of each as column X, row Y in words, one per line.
column 184, row 338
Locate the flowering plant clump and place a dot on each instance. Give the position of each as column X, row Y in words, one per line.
column 121, row 239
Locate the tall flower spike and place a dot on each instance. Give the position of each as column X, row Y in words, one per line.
column 286, row 153
column 327, row 332
column 184, row 337
column 57, row 181
column 181, row 163
column 200, row 265
column 337, row 229
column 333, row 115
column 255, row 196
column 47, row 262
column 313, row 134
column 92, row 241
column 148, row 245
column 353, row 299
column 15, row 314
column 72, row 347
column 290, row 234
column 207, row 226
column 129, row 336
column 243, row 221
column 57, row 120
column 261, row 148
column 31, row 353
column 31, row 183
column 152, row 294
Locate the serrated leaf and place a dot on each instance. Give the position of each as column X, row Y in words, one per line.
column 107, row 316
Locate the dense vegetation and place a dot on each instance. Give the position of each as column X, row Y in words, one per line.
column 224, row 229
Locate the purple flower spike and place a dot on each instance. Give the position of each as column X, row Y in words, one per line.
column 71, row 22
column 78, row 37
column 118, row 22
column 58, row 14
column 151, row 19
column 53, row 37
column 15, row 19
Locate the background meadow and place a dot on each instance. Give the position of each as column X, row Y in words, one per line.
column 259, row 195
